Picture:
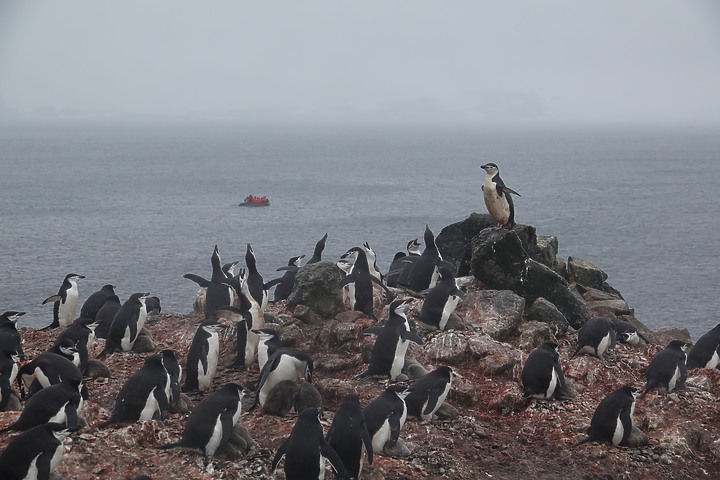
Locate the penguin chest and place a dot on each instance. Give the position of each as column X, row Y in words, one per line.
column 497, row 205
column 262, row 354
column 427, row 414
column 674, row 379
column 714, row 360
column 60, row 416
column 126, row 343
column 151, row 406
column 215, row 438
column 205, row 375
column 13, row 373
column 381, row 436
column 602, row 345
column 619, row 432
column 68, row 308
column 251, row 345
column 40, row 376
column 399, row 358
column 552, row 385
column 448, row 310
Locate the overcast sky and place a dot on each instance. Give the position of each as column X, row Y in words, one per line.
column 605, row 60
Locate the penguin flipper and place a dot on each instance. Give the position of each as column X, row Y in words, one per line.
column 375, row 280
column 162, row 400
column 272, row 283
column 43, row 464
column 197, row 279
column 433, row 397
column 347, row 280
column 71, row 415
column 371, row 330
column 394, row 421
column 289, row 268
column 510, row 190
column 280, row 453
column 367, row 441
column 329, row 452
column 410, row 336
column 585, row 440
column 52, row 299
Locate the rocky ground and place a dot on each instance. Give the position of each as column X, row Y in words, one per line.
column 496, row 433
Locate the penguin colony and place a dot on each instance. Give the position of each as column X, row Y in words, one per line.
column 54, row 391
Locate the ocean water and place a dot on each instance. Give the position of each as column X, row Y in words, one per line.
column 138, row 206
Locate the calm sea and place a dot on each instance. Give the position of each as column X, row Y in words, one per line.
column 138, row 206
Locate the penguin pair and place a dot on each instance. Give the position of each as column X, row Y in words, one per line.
column 10, row 339
column 96, row 301
column 50, row 368
column 202, row 357
column 706, row 351
column 306, row 450
column 388, row 353
column 596, row 337
column 441, row 300
column 60, row 403
column 360, row 281
column 65, row 302
column 402, row 262
column 285, row 364
column 106, row 314
column 667, row 370
column 82, row 334
column 34, row 454
column 145, row 395
column 219, row 292
column 542, row 377
column 422, row 273
column 612, row 421
column 210, row 425
column 498, row 199
column 126, row 325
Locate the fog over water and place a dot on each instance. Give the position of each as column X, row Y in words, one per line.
column 406, row 60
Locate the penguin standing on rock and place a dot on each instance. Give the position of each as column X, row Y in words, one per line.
column 284, row 285
column 65, row 302
column 667, row 370
column 402, row 261
column 306, row 450
column 393, row 339
column 34, row 454
column 220, row 291
column 596, row 337
column 424, row 273
column 706, row 351
column 612, row 421
column 348, row 436
column 319, row 247
column 441, row 300
column 105, row 316
column 542, row 377
column 497, row 198
column 210, row 425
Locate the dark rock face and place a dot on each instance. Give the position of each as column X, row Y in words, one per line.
column 316, row 286
column 454, row 241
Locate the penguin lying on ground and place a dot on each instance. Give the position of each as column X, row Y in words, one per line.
column 542, row 376
column 60, row 403
column 612, row 421
column 285, row 364
column 626, row 333
column 706, row 351
column 144, row 395
column 596, row 337
column 441, row 300
column 306, row 450
column 51, row 368
column 427, row 394
column 34, row 454
column 385, row 416
column 667, row 370
column 210, row 425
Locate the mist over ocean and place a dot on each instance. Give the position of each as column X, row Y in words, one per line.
column 138, row 206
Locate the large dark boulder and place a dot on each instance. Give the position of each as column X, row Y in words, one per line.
column 317, row 287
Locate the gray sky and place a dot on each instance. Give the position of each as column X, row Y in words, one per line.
column 609, row 60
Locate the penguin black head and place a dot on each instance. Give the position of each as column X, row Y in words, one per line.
column 678, row 345
column 11, row 316
column 490, row 168
column 296, row 261
column 309, row 415
column 413, row 247
column 398, row 306
column 74, row 277
column 399, row 390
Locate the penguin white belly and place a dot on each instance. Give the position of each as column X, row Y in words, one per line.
column 127, row 343
column 67, row 310
column 60, row 416
column 32, row 473
column 381, row 437
column 13, row 373
column 287, row 369
column 203, row 378
column 141, row 321
column 212, row 357
column 57, row 456
column 214, row 441
column 76, row 359
column 619, row 431
column 497, row 205
column 251, row 344
column 399, row 359
column 151, row 406
column 712, row 363
column 262, row 354
column 41, row 378
column 603, row 345
column 673, row 380
column 552, row 385
column 448, row 310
